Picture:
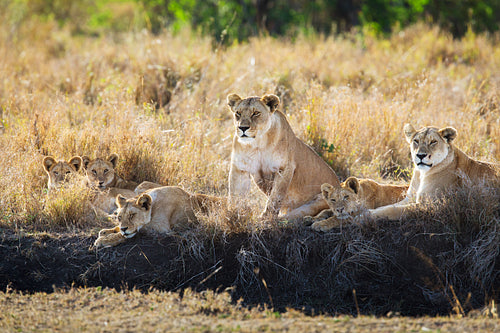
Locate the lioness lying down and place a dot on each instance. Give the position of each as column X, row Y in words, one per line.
column 159, row 210
column 439, row 166
column 266, row 150
column 353, row 198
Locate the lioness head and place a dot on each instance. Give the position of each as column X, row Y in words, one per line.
column 343, row 201
column 100, row 172
column 133, row 214
column 429, row 146
column 252, row 115
column 60, row 171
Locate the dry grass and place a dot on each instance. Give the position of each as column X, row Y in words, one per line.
column 97, row 310
column 347, row 96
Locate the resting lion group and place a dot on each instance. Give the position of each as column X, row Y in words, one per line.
column 300, row 187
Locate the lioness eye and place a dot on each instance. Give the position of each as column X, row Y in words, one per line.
column 346, row 197
column 68, row 172
column 333, row 200
column 255, row 114
column 415, row 142
column 56, row 173
column 433, row 142
column 237, row 114
column 94, row 172
column 119, row 218
column 106, row 170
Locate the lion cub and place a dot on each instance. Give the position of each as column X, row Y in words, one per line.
column 353, row 198
column 101, row 173
column 158, row 210
column 59, row 172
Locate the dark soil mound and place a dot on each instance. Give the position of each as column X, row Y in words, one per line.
column 416, row 268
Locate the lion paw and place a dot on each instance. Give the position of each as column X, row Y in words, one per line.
column 325, row 225
column 308, row 220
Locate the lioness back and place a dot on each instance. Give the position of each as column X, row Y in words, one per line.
column 375, row 195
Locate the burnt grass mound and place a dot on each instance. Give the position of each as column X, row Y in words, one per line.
column 443, row 258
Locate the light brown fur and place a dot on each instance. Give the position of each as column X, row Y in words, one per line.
column 101, row 173
column 439, row 166
column 158, row 210
column 59, row 172
column 266, row 150
column 353, row 198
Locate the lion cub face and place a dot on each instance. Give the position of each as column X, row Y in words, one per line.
column 343, row 201
column 100, row 172
column 133, row 214
column 60, row 172
column 252, row 115
column 429, row 146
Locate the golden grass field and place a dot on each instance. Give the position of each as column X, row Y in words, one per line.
column 347, row 96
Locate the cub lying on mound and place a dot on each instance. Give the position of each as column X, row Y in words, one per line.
column 266, row 150
column 59, row 172
column 353, row 198
column 101, row 173
column 159, row 210
column 439, row 166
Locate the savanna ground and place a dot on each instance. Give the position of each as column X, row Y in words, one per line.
column 159, row 103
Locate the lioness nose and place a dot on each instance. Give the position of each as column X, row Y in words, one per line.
column 421, row 156
column 100, row 183
column 243, row 128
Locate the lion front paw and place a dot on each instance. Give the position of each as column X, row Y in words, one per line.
column 326, row 225
column 308, row 220
column 108, row 239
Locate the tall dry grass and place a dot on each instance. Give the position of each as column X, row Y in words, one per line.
column 347, row 96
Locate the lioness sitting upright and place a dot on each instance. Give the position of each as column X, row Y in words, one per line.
column 60, row 171
column 158, row 210
column 439, row 166
column 101, row 173
column 353, row 198
column 266, row 150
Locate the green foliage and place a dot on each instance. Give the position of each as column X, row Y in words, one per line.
column 228, row 21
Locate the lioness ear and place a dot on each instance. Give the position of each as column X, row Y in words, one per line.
column 272, row 101
column 85, row 161
column 409, row 130
column 120, row 200
column 76, row 162
column 448, row 133
column 232, row 99
column 113, row 159
column 326, row 189
column 144, row 201
column 353, row 184
column 48, row 161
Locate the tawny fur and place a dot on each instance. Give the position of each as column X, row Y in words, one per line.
column 439, row 166
column 158, row 210
column 353, row 198
column 101, row 173
column 266, row 150
column 60, row 172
